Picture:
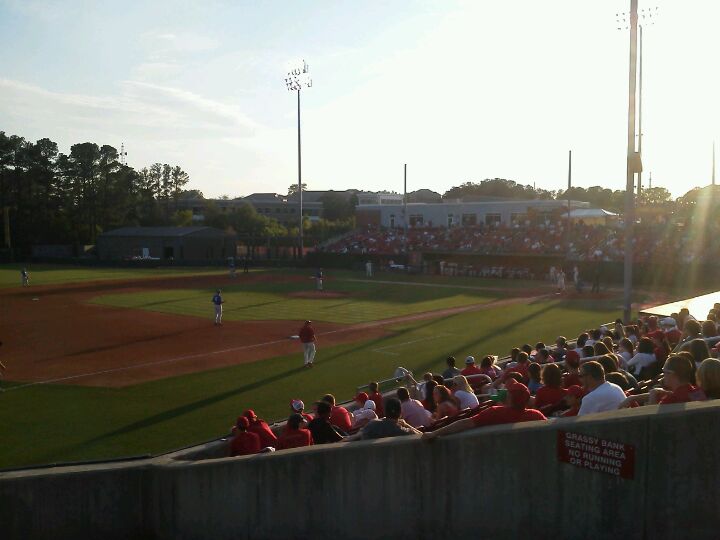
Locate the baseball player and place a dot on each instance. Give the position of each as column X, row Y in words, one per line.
column 319, row 279
column 233, row 272
column 308, row 340
column 368, row 269
column 218, row 301
column 25, row 277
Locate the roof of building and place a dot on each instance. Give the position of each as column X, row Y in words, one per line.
column 158, row 231
column 587, row 213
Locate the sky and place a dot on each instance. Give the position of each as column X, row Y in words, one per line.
column 460, row 90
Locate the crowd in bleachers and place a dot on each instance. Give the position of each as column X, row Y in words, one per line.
column 652, row 361
column 580, row 242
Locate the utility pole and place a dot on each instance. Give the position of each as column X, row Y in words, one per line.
column 713, row 171
column 632, row 166
column 568, row 201
column 640, row 131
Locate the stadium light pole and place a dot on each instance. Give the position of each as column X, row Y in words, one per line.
column 298, row 77
column 633, row 166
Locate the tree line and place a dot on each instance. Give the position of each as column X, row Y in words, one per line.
column 57, row 198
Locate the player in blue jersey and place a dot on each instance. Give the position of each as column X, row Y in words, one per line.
column 218, row 301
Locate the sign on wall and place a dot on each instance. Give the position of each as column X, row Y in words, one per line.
column 596, row 454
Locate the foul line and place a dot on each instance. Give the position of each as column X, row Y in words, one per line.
column 359, row 326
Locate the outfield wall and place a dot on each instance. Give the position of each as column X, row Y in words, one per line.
column 505, row 481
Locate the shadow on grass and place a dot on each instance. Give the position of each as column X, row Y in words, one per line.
column 194, row 406
column 472, row 344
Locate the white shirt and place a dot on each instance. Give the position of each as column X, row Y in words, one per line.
column 626, row 356
column 639, row 361
column 606, row 397
column 362, row 414
column 466, row 399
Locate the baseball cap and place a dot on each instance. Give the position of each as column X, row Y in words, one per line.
column 470, row 360
column 297, row 405
column 362, row 397
column 250, row 414
column 575, row 391
column 668, row 321
column 519, row 393
column 308, row 322
column 242, row 422
column 369, row 404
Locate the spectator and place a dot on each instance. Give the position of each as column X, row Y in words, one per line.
column 464, row 393
column 678, row 376
column 429, row 400
column 691, row 330
column 339, row 416
column 543, row 356
column 610, row 363
column 709, row 329
column 376, row 396
column 560, row 348
column 588, row 351
column 261, row 429
column 365, row 411
column 297, row 406
column 707, row 377
column 515, row 410
column 412, row 411
column 699, row 349
column 295, row 435
column 672, row 334
column 552, row 391
column 573, row 399
column 322, row 430
column 625, row 350
column 445, row 404
column 619, row 379
column 451, row 370
column 521, row 366
column 488, row 367
column 534, row 376
column 572, row 364
column 390, row 426
column 244, row 443
column 645, row 356
column 472, row 369
column 580, row 343
column 600, row 395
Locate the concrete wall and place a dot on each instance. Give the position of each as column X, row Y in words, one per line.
column 504, row 481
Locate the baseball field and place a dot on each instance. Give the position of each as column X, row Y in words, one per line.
column 104, row 363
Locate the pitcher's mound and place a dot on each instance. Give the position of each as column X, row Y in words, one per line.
column 318, row 294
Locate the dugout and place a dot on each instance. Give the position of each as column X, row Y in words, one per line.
column 182, row 244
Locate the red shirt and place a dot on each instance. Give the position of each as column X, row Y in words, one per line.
column 571, row 379
column 548, row 396
column 263, row 431
column 340, row 418
column 683, row 394
column 294, row 438
column 501, row 414
column 244, row 443
column 673, row 336
column 572, row 411
column 378, row 399
column 307, row 334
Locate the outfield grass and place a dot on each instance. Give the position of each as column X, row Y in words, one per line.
column 47, row 274
column 53, row 423
column 366, row 301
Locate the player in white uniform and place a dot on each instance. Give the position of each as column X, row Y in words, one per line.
column 368, row 269
column 218, row 301
column 319, row 279
column 25, row 277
